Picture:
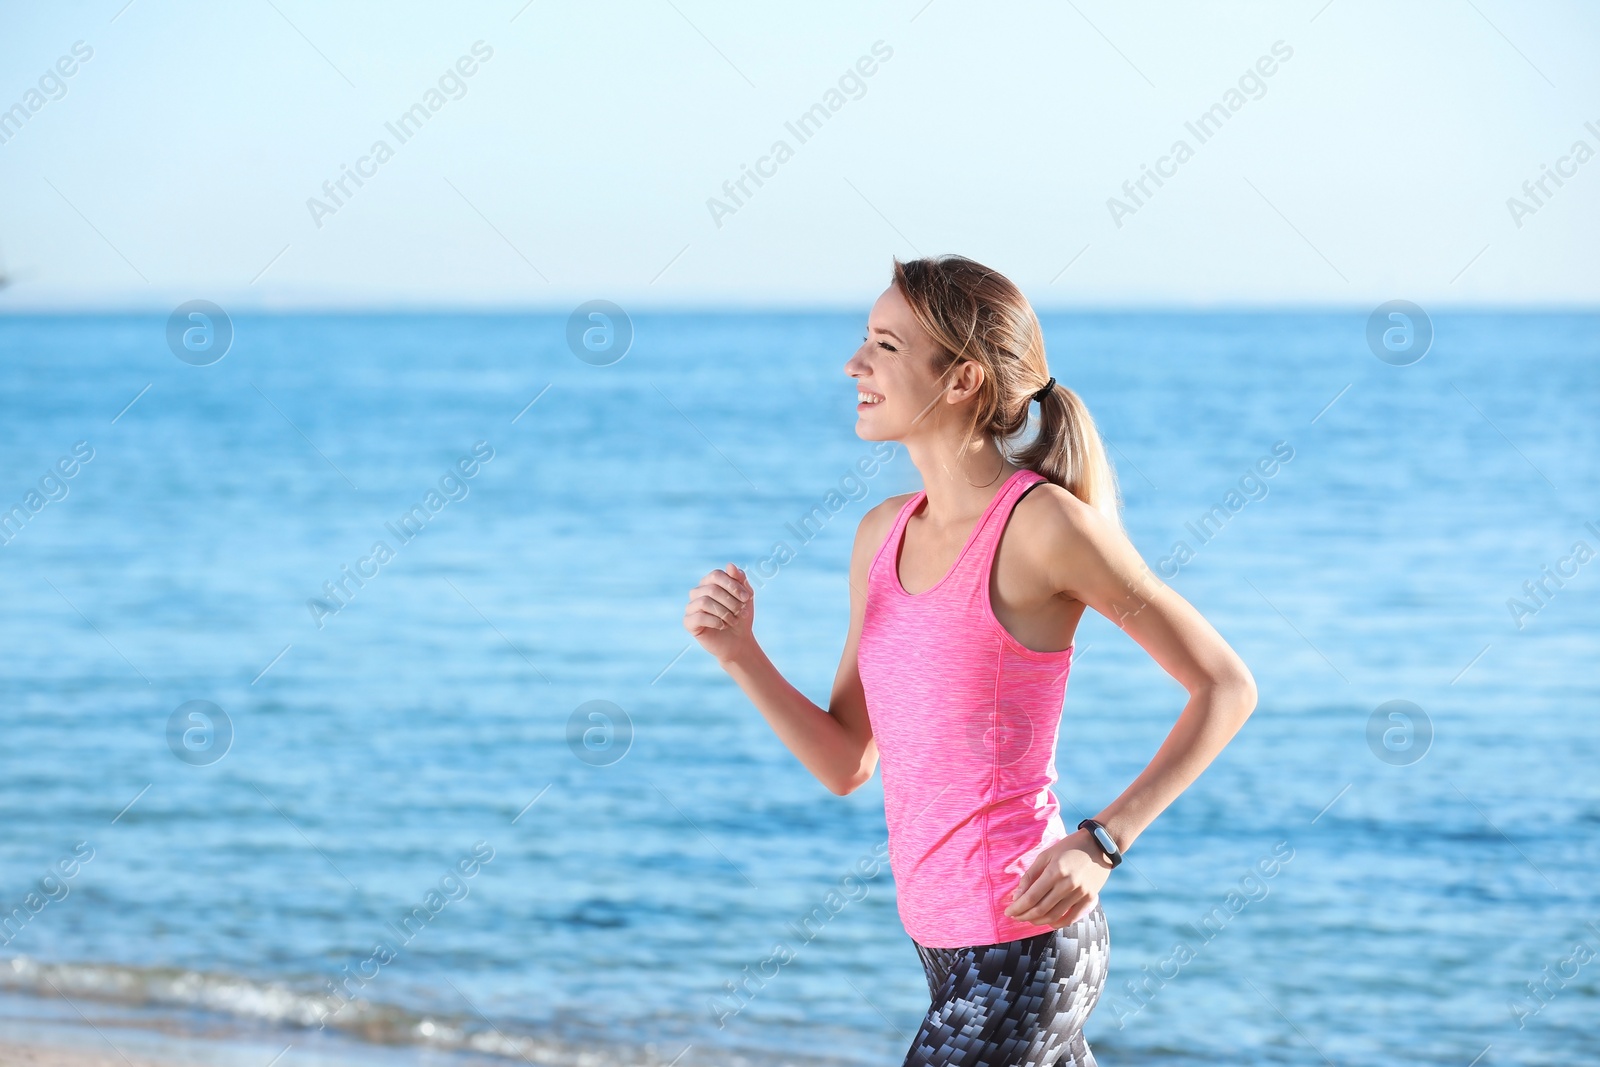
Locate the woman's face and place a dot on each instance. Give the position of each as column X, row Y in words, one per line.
column 895, row 381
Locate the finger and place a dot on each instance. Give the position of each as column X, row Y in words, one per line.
column 717, row 600
column 725, row 617
column 1077, row 911
column 1054, row 897
column 1030, row 874
column 1052, row 909
column 735, row 585
column 1023, row 901
column 719, row 578
column 700, row 621
column 1058, row 901
column 1028, row 913
column 726, row 604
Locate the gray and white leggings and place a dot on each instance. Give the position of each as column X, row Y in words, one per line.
column 1015, row 1004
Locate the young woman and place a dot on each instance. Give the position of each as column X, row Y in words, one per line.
column 964, row 598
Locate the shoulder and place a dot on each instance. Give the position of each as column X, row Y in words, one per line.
column 1054, row 525
column 878, row 520
column 874, row 529
column 1075, row 548
column 1049, row 512
column 884, row 511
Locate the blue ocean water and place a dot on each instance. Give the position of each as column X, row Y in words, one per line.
column 493, row 787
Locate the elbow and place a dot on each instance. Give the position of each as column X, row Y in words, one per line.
column 1229, row 693
column 843, row 787
column 1240, row 688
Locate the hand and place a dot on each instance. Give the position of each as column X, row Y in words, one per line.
column 721, row 611
column 1063, row 884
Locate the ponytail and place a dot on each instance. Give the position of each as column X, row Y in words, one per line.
column 975, row 313
column 1069, row 452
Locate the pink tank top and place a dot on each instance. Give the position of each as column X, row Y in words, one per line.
column 965, row 718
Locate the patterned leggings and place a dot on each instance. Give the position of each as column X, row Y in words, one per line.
column 1015, row 1004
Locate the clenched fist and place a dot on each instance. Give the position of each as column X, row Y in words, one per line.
column 720, row 612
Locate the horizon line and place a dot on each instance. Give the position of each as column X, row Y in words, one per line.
column 742, row 307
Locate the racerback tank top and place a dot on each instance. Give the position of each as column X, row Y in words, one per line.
column 965, row 718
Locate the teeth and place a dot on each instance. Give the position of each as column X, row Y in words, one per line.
column 871, row 398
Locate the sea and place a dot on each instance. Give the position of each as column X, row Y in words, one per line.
column 349, row 712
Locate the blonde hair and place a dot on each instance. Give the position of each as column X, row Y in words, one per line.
column 977, row 314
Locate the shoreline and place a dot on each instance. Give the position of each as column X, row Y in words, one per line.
column 95, row 1047
column 183, row 1052
column 56, row 1056
column 81, row 1031
column 61, row 1033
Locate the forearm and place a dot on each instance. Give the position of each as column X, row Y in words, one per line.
column 816, row 738
column 1209, row 721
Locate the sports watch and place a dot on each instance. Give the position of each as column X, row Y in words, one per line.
column 1103, row 839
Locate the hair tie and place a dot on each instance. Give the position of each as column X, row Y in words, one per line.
column 1044, row 390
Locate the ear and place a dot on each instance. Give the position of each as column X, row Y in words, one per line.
column 966, row 379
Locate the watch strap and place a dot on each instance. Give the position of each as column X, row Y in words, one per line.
column 1103, row 838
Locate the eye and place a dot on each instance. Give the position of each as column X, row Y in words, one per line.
column 890, row 347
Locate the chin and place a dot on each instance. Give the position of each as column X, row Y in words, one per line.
column 867, row 432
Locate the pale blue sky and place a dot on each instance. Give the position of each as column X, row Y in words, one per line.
column 1375, row 162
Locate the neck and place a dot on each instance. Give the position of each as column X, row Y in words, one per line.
column 959, row 484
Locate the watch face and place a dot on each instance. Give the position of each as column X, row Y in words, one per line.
column 1104, row 838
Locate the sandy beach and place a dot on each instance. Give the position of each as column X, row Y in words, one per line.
column 179, row 1051
column 19, row 1055
column 104, row 1040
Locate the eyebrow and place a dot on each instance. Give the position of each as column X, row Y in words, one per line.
column 891, row 333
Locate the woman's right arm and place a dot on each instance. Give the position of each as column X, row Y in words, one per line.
column 836, row 745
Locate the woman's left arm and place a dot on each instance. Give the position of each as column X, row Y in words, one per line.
column 1085, row 556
